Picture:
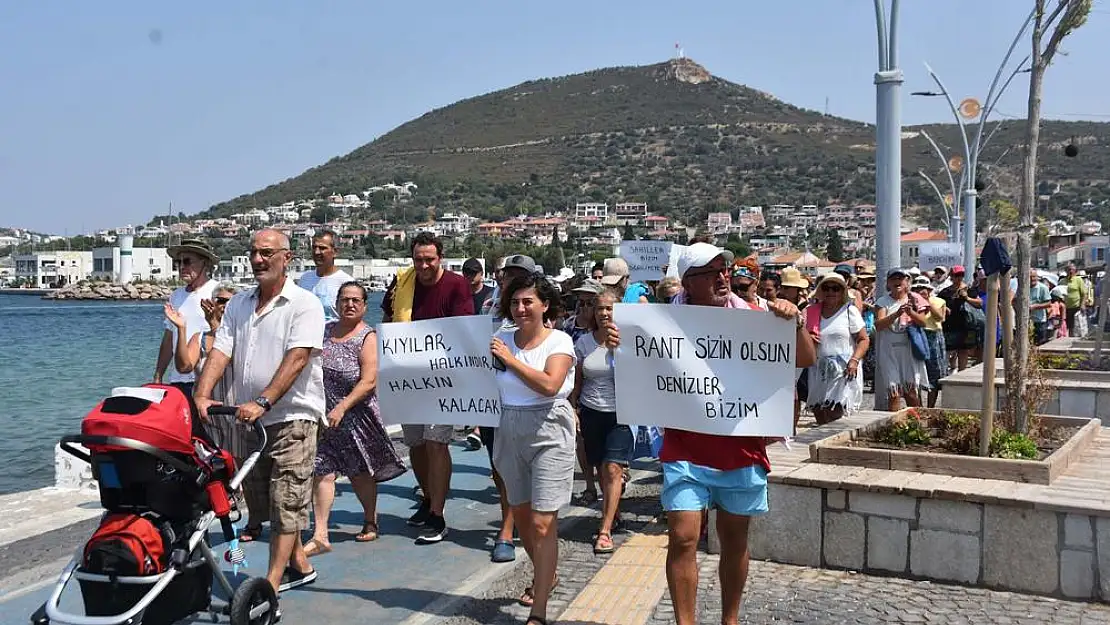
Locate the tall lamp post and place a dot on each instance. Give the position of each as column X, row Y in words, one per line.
column 972, row 147
column 888, row 142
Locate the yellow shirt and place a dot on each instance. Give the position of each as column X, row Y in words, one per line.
column 932, row 320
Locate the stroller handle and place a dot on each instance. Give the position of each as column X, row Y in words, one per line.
column 259, row 431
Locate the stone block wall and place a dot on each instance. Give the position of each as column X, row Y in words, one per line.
column 996, row 546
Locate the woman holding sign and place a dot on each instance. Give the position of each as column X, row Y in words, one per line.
column 608, row 444
column 534, row 448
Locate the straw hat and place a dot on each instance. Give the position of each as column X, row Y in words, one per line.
column 791, row 277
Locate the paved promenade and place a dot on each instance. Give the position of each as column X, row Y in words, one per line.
column 395, row 581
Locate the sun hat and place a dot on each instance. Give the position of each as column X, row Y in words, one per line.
column 791, row 277
column 589, row 285
column 832, row 276
column 922, row 282
column 914, row 271
column 941, row 268
column 195, row 246
column 613, row 271
column 700, row 255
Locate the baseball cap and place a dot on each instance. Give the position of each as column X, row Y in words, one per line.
column 941, row 268
column 922, row 282
column 614, row 270
column 897, row 271
column 520, row 261
column 589, row 285
column 844, row 270
column 700, row 255
column 958, row 270
column 472, row 266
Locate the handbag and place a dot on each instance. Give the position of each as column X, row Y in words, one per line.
column 919, row 341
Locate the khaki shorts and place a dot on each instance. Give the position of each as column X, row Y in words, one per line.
column 417, row 434
column 284, row 470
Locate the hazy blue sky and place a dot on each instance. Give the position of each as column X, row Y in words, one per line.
column 109, row 110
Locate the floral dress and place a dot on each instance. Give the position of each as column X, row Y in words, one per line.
column 360, row 444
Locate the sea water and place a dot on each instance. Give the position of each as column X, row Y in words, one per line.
column 58, row 360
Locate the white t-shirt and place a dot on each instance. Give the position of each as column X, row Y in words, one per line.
column 326, row 289
column 514, row 392
column 257, row 343
column 598, row 385
column 838, row 332
column 188, row 304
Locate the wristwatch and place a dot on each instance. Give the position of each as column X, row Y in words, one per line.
column 265, row 403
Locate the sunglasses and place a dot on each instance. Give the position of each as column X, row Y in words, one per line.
column 706, row 272
column 832, row 288
column 221, row 300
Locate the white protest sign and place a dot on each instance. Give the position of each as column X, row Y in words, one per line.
column 438, row 371
column 933, row 254
column 645, row 259
column 672, row 263
column 705, row 369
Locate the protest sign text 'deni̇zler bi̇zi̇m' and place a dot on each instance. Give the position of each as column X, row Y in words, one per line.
column 704, row 369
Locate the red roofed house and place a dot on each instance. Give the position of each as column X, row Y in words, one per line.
column 911, row 243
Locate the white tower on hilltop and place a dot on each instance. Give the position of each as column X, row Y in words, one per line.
column 126, row 262
column 679, row 53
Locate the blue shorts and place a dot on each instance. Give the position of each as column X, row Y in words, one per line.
column 691, row 487
column 604, row 439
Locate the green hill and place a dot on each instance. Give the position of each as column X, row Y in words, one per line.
column 669, row 134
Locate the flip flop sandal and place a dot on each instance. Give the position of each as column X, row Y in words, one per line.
column 250, row 534
column 536, row 619
column 315, row 547
column 603, row 543
column 368, row 534
column 528, row 596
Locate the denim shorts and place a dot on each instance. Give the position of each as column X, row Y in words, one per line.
column 604, row 439
column 691, row 487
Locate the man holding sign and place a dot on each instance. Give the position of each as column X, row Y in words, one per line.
column 427, row 291
column 709, row 470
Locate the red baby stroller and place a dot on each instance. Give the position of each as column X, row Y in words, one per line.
column 149, row 560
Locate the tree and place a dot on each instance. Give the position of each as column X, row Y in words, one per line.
column 1064, row 18
column 629, row 234
column 370, row 248
column 834, row 250
column 1004, row 215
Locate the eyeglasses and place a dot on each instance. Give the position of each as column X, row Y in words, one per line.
column 266, row 252
column 351, row 300
column 707, row 272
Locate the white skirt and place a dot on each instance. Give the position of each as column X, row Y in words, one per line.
column 894, row 357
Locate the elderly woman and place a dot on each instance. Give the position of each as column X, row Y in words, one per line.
column 905, row 375
column 667, row 290
column 355, row 442
column 836, row 325
column 535, row 443
column 745, row 272
column 608, row 444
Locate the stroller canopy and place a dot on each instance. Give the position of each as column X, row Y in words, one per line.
column 158, row 415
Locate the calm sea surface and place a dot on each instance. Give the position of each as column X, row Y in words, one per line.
column 57, row 361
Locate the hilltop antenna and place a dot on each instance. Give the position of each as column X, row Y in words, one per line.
column 679, row 53
column 826, row 106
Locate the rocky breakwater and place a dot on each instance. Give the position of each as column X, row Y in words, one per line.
column 110, row 291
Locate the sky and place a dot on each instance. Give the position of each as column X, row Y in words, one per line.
column 111, row 110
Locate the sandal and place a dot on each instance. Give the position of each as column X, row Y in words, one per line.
column 535, row 619
column 369, row 532
column 250, row 534
column 587, row 498
column 528, row 597
column 316, row 547
column 603, row 543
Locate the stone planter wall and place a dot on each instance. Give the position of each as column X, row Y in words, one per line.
column 1025, row 549
column 1084, row 394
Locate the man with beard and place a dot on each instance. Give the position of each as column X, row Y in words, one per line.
column 325, row 281
column 272, row 336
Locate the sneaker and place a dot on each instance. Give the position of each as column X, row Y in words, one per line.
column 420, row 517
column 473, row 442
column 503, row 551
column 435, row 529
column 292, row 578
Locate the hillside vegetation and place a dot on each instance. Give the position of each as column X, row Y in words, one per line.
column 668, row 134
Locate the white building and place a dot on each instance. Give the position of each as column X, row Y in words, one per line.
column 148, row 263
column 238, row 269
column 53, row 269
column 630, row 213
column 591, row 209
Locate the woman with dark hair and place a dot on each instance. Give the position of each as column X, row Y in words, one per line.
column 535, row 443
column 355, row 442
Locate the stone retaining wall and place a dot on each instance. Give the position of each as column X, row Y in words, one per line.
column 981, row 544
column 1084, row 394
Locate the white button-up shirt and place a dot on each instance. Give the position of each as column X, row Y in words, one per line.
column 256, row 343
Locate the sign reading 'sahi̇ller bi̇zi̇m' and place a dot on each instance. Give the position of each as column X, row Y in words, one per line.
column 712, row 370
column 437, row 371
column 646, row 259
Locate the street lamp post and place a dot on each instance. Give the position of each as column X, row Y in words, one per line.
column 973, row 147
column 888, row 142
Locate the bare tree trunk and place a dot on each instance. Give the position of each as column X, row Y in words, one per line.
column 1016, row 377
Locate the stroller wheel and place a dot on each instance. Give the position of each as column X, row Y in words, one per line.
column 254, row 603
